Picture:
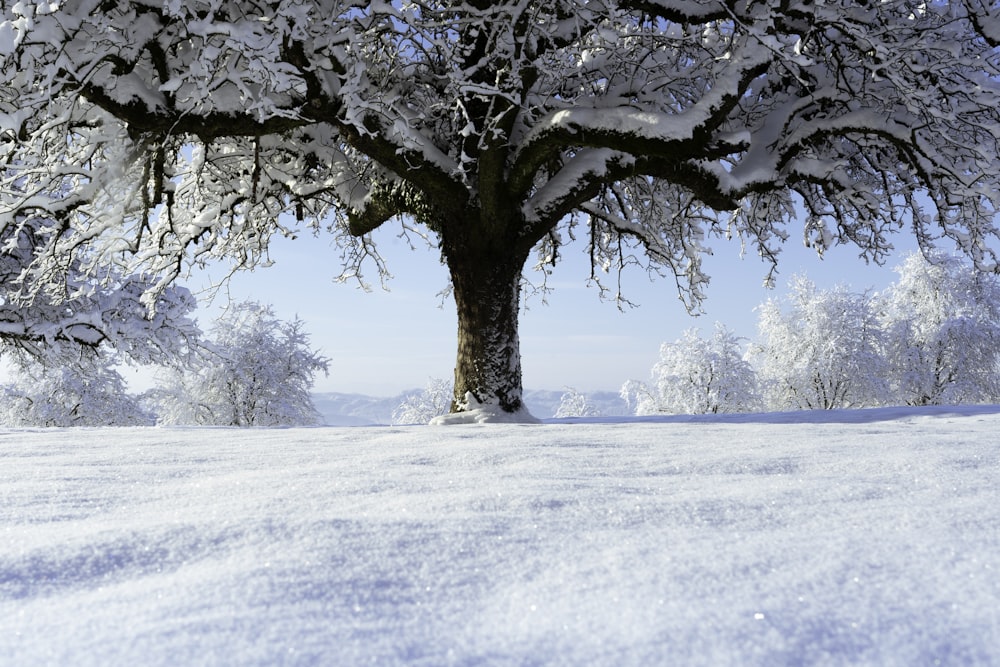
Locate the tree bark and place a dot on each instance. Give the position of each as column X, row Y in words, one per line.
column 487, row 291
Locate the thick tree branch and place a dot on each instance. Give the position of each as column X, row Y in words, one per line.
column 669, row 135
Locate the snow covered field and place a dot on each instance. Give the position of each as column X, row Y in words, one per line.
column 868, row 537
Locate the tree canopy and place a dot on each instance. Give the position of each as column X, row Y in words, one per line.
column 156, row 132
column 68, row 313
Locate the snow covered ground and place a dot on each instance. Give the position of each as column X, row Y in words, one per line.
column 338, row 409
column 869, row 537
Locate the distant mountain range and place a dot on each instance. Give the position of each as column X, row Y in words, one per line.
column 361, row 410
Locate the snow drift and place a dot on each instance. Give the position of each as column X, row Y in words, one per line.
column 868, row 539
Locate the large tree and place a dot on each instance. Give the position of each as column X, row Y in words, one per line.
column 187, row 129
column 942, row 324
column 821, row 350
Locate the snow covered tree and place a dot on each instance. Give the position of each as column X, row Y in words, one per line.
column 423, row 406
column 497, row 129
column 57, row 321
column 823, row 350
column 698, row 376
column 80, row 391
column 942, row 322
column 259, row 371
column 574, row 404
column 63, row 337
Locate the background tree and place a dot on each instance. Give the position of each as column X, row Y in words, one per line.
column 423, row 406
column 822, row 349
column 63, row 337
column 258, row 371
column 83, row 390
column 695, row 375
column 942, row 322
column 574, row 404
column 201, row 129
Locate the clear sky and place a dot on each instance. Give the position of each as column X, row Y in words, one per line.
column 384, row 342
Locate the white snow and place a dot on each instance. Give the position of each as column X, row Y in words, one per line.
column 9, row 38
column 474, row 412
column 587, row 163
column 857, row 537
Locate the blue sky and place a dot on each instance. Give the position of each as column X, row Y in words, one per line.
column 384, row 342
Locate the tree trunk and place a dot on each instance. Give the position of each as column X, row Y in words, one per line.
column 487, row 289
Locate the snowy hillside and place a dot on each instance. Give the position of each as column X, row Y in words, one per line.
column 340, row 409
column 867, row 537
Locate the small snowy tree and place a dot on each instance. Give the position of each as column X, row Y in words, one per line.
column 697, row 376
column 942, row 320
column 574, row 404
column 258, row 372
column 823, row 350
column 636, row 393
column 84, row 391
column 422, row 406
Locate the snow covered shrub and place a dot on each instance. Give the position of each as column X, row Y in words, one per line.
column 422, row 406
column 942, row 320
column 81, row 392
column 257, row 371
column 697, row 376
column 823, row 350
column 574, row 404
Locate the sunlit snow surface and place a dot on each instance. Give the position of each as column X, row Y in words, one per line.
column 860, row 538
